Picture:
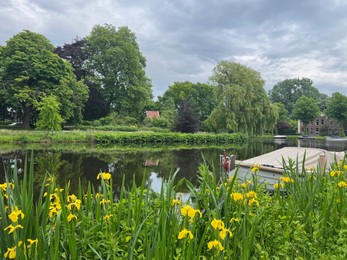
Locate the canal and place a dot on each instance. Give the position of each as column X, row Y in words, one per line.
column 83, row 162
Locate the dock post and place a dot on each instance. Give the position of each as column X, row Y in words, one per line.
column 322, row 162
column 232, row 160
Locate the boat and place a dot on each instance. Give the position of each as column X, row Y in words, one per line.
column 335, row 139
column 280, row 137
column 306, row 137
column 271, row 164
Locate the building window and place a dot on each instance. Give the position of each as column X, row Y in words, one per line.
column 322, row 121
column 317, row 122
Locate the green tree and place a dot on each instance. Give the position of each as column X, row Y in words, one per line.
column 289, row 91
column 31, row 71
column 337, row 109
column 119, row 67
column 168, row 112
column 282, row 112
column 243, row 103
column 201, row 96
column 305, row 109
column 49, row 116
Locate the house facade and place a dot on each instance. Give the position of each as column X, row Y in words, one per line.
column 320, row 126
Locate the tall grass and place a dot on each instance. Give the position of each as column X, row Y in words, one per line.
column 224, row 218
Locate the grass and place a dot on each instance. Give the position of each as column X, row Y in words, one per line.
column 224, row 218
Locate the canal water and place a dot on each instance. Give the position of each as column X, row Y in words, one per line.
column 83, row 163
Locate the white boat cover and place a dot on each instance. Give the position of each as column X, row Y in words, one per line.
column 274, row 159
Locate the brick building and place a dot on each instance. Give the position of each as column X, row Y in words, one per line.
column 320, row 126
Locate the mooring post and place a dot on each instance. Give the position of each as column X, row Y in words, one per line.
column 232, row 160
column 322, row 162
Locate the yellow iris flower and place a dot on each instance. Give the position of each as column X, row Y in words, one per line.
column 216, row 244
column 10, row 253
column 15, row 213
column 184, row 233
column 104, row 175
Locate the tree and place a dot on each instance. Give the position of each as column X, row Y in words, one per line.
column 32, row 71
column 282, row 112
column 187, row 120
column 201, row 96
column 289, row 91
column 49, row 117
column 243, row 104
column 337, row 109
column 78, row 55
column 305, row 109
column 119, row 67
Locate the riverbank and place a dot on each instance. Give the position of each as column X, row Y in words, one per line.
column 108, row 137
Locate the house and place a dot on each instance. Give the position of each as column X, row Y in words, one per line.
column 152, row 114
column 320, row 126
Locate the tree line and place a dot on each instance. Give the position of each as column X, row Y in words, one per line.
column 100, row 79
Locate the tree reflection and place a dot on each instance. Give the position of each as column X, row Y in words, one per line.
column 76, row 166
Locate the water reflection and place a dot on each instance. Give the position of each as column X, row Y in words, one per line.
column 133, row 164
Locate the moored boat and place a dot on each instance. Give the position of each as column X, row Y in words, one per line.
column 280, row 137
column 271, row 167
column 336, row 139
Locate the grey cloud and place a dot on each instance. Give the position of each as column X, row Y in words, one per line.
column 185, row 39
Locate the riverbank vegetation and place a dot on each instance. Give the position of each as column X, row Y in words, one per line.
column 224, row 217
column 107, row 137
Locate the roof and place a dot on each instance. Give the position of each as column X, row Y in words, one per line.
column 275, row 158
column 152, row 114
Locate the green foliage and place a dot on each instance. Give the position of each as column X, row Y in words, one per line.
column 223, row 217
column 32, row 71
column 49, row 117
column 201, row 96
column 337, row 109
column 289, row 91
column 306, row 110
column 113, row 119
column 161, row 122
column 119, row 67
column 168, row 112
column 282, row 112
column 168, row 138
column 243, row 104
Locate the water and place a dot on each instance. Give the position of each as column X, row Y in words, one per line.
column 81, row 162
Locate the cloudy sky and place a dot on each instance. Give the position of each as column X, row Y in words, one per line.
column 185, row 39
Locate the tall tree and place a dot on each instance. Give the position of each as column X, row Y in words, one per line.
column 305, row 109
column 243, row 103
column 201, row 96
column 337, row 109
column 78, row 55
column 289, row 91
column 187, row 120
column 119, row 67
column 31, row 71
column 3, row 106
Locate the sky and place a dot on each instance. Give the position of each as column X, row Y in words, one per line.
column 183, row 40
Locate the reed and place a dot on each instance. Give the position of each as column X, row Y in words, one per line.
column 223, row 218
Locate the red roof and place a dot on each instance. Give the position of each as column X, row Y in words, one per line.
column 152, row 114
